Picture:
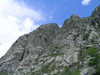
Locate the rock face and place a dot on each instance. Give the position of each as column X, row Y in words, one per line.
column 73, row 49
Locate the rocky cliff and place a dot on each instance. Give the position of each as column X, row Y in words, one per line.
column 73, row 49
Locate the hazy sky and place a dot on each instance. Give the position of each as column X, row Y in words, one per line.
column 18, row 17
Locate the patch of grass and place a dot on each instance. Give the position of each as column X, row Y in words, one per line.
column 86, row 37
column 68, row 71
column 91, row 54
column 97, row 71
column 32, row 73
column 95, row 56
column 76, row 72
column 81, row 58
column 3, row 73
column 92, row 62
column 48, row 67
column 98, row 68
column 92, row 51
column 56, row 51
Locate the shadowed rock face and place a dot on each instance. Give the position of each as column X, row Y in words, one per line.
column 50, row 50
column 28, row 46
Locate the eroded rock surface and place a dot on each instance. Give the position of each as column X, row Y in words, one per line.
column 50, row 50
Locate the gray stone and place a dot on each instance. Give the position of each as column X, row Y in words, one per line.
column 48, row 50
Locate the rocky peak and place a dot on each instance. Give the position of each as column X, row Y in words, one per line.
column 96, row 17
column 73, row 22
column 96, row 11
column 50, row 50
column 48, row 26
column 75, row 17
column 43, row 35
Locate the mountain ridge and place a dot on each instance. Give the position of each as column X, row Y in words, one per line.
column 50, row 50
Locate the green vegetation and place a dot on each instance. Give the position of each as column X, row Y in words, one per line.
column 86, row 37
column 97, row 71
column 98, row 68
column 46, row 68
column 90, row 54
column 93, row 56
column 93, row 53
column 76, row 72
column 92, row 62
column 68, row 71
column 56, row 51
column 3, row 73
column 32, row 73
column 98, row 8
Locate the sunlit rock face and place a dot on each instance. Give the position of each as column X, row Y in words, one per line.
column 49, row 50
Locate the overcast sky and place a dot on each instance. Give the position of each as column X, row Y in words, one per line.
column 18, row 17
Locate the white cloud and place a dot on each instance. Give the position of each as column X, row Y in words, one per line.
column 86, row 2
column 15, row 20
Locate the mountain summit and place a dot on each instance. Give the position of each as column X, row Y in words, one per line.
column 73, row 49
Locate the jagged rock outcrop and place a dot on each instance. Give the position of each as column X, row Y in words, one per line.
column 73, row 49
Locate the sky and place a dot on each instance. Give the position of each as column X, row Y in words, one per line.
column 18, row 17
